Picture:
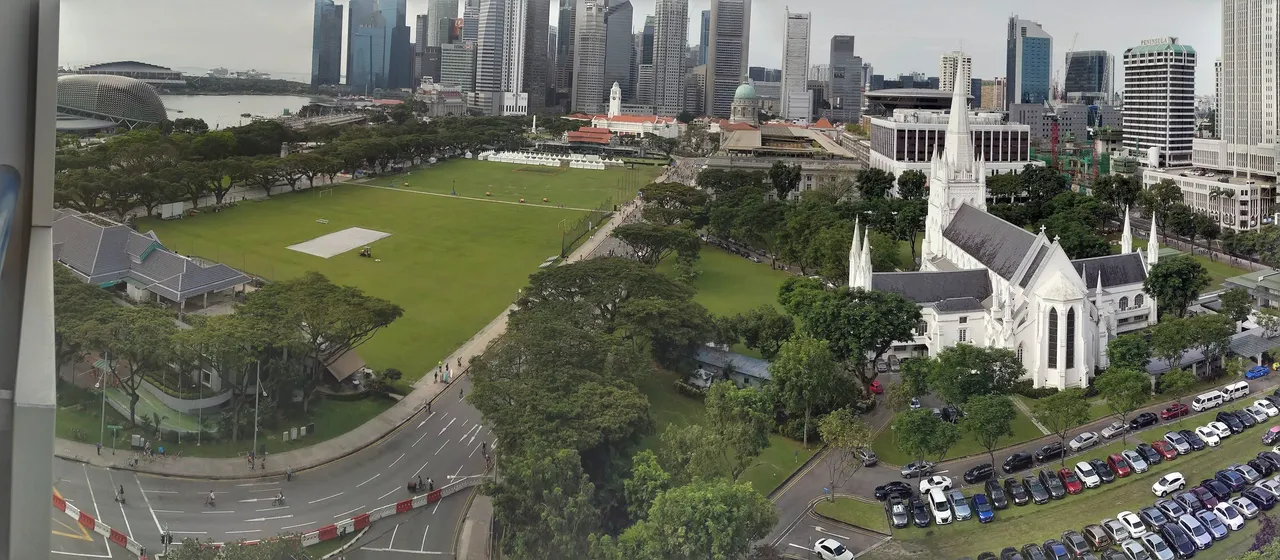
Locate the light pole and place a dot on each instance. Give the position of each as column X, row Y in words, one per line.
column 257, row 392
column 102, row 424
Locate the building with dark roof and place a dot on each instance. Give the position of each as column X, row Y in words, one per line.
column 97, row 102
column 885, row 101
column 153, row 75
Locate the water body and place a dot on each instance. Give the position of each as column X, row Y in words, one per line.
column 223, row 111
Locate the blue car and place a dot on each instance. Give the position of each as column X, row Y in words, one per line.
column 1256, row 372
column 983, row 506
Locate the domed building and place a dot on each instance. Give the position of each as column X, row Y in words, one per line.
column 746, row 105
column 88, row 103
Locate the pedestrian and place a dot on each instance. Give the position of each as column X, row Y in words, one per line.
column 459, row 393
column 428, row 407
column 459, row 362
column 288, row 473
column 99, row 448
column 437, row 377
column 431, row 484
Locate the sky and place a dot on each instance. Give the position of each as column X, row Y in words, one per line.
column 894, row 36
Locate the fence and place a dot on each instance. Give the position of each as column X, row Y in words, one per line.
column 571, row 234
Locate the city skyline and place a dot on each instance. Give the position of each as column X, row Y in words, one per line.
column 271, row 46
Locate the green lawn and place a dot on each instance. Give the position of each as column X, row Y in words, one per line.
column 453, row 265
column 578, row 188
column 1032, row 523
column 730, row 284
column 858, row 513
column 887, row 448
column 1218, row 271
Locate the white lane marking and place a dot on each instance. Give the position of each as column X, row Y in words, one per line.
column 368, row 481
column 388, row 493
column 242, row 532
column 455, row 474
column 446, row 442
column 325, row 498
column 424, row 538
column 433, row 510
column 189, row 532
column 474, row 436
column 419, row 440
column 167, row 511
column 161, row 491
column 388, row 549
column 148, row 501
column 267, row 490
column 277, row 508
column 258, row 484
column 821, row 530
column 81, row 554
column 261, row 519
column 348, row 511
column 207, row 493
column 221, row 511
column 424, row 465
column 127, row 527
column 245, row 501
column 473, row 451
column 447, row 426
column 298, row 525
column 93, row 499
column 424, row 420
column 393, row 463
column 799, row 547
column 393, row 535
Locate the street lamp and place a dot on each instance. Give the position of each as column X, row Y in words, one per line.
column 258, row 391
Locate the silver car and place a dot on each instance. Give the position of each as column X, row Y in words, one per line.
column 1134, row 551
column 1135, row 459
column 960, row 504
column 1199, row 534
column 1156, row 547
column 1114, row 430
column 1178, row 442
column 1245, row 506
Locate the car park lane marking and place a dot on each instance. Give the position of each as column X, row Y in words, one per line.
column 451, row 421
column 368, row 481
column 393, row 463
column 824, row 531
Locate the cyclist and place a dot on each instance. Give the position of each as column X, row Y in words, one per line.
column 210, row 500
column 279, row 501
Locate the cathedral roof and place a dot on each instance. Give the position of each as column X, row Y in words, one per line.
column 998, row 244
column 1117, row 270
column 934, row 287
column 955, row 305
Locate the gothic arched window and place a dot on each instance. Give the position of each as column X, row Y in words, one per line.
column 1071, row 338
column 1124, row 303
column 1137, row 300
column 1053, row 339
column 1019, row 351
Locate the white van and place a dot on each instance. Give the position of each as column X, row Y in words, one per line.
column 1236, row 390
column 1208, row 400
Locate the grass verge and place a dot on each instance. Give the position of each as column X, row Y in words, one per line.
column 511, row 182
column 855, row 512
column 886, row 447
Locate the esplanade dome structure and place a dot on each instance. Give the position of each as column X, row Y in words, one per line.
column 97, row 101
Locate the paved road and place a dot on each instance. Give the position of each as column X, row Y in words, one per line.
column 439, row 444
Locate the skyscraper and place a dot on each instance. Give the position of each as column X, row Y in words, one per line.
column 1028, row 62
column 1090, row 76
column 537, row 69
column 947, row 69
column 1247, row 112
column 564, row 52
column 845, row 89
column 1160, row 100
column 797, row 102
column 364, row 44
column 618, row 47
column 326, row 45
column 442, row 14
column 589, row 58
column 726, row 53
column 490, row 37
column 670, row 35
column 471, row 21
column 705, row 37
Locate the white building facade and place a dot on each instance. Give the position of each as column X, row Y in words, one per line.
column 670, row 34
column 987, row 282
column 907, row 140
column 947, row 69
column 797, row 100
column 1160, row 100
column 589, row 56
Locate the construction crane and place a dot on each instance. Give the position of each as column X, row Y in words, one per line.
column 1061, row 87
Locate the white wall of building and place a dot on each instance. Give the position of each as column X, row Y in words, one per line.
column 797, row 101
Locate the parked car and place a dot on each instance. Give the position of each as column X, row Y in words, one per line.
column 1247, row 419
column 1267, row 407
column 959, row 504
column 1178, row 540
column 1152, row 518
column 1149, row 454
column 1257, row 413
column 1104, row 470
column 899, row 513
column 1052, row 483
column 1084, row 440
column 1120, row 465
column 915, row 403
column 995, row 493
column 937, row 481
column 952, row 414
column 1270, row 486
column 1049, row 452
column 1011, row 553
column 1261, row 466
column 1136, row 460
column 1039, row 494
column 1188, row 501
column 1114, row 430
column 1204, row 496
column 1233, row 423
column 1217, row 488
column 831, row 549
column 876, row 387
column 1088, row 475
column 1096, row 537
column 940, row 508
column 1016, row 462
column 982, row 506
column 1075, row 543
column 1196, row 530
column 894, row 488
column 1256, row 371
column 1168, row 484
column 979, row 473
column 1270, row 436
column 920, row 516
column 1110, row 554
column 1143, row 420
column 1154, row 544
column 1263, row 499
column 1033, row 552
column 1070, row 481
column 1217, row 529
column 916, row 469
column 1251, row 476
column 1115, row 529
column 1192, row 439
column 1231, row 478
column 1165, row 449
column 1270, row 457
column 1133, row 550
column 1175, row 410
column 1248, row 508
column 1055, row 550
column 1170, row 508
column 1221, row 428
column 1178, row 442
column 1229, row 516
column 1017, row 491
column 868, row 457
column 1209, row 435
column 1132, row 524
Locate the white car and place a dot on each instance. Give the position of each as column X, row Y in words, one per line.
column 1168, row 484
column 1083, row 441
column 1229, row 515
column 1132, row 523
column 831, row 549
column 1257, row 413
column 1087, row 475
column 937, row 481
column 1245, row 506
column 1267, row 407
column 1209, row 435
column 940, row 507
column 1221, row 429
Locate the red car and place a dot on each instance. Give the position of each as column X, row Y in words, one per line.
column 1120, row 465
column 1165, row 449
column 876, row 387
column 1071, row 481
column 1174, row 410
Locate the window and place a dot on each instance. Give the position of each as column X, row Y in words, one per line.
column 1019, row 351
column 922, row 328
column 1124, row 303
column 964, row 320
column 964, row 335
column 1053, row 338
column 1137, row 300
column 1071, row 338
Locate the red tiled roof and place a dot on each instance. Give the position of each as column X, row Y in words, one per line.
column 736, row 126
column 587, row 137
column 594, row 130
column 823, row 123
column 387, row 102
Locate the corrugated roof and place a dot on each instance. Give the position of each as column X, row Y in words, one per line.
column 745, row 365
column 998, row 244
column 933, row 287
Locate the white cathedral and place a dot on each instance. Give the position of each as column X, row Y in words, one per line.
column 987, row 282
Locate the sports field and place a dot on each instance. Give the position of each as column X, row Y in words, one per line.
column 576, row 188
column 452, row 264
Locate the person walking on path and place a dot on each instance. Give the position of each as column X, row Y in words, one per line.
column 459, row 393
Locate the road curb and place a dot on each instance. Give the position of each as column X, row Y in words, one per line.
column 346, row 545
column 813, row 511
column 797, row 473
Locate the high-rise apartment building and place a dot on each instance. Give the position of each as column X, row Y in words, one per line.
column 618, row 47
column 797, row 102
column 1090, row 77
column 844, row 91
column 947, row 69
column 993, row 94
column 589, row 59
column 1217, row 98
column 704, row 36
column 1160, row 101
column 670, row 35
column 326, row 45
column 458, row 65
column 1028, row 62
column 537, row 70
column 471, row 20
column 727, row 53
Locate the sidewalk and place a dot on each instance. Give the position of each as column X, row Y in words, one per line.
column 346, row 444
column 473, row 536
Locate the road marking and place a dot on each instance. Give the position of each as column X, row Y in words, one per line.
column 402, row 550
column 821, row 530
column 368, row 481
column 475, row 428
column 258, row 484
column 261, row 519
column 277, row 508
column 424, row 420
column 189, row 532
column 393, row 535
column 424, row 465
column 446, row 442
column 474, row 436
column 162, row 491
column 455, row 473
column 420, row 438
column 325, row 498
column 243, row 532
column 219, row 511
column 96, row 515
column 83, row 555
column 127, row 527
column 393, row 463
column 148, row 501
column 447, row 426
column 797, row 546
column 348, row 511
column 424, row 538
column 433, row 510
column 298, row 525
column 168, row 511
column 388, row 493
column 266, row 490
column 245, row 501
column 473, row 450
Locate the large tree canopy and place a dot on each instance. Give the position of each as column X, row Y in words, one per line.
column 1175, row 283
column 602, row 285
column 861, row 325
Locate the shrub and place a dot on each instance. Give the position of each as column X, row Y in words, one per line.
column 1024, row 387
column 689, row 390
column 793, row 428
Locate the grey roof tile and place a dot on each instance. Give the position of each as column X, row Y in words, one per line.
column 955, row 305
column 933, row 287
column 998, row 244
column 1117, row 270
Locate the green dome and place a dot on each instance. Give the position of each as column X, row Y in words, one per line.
column 746, row 91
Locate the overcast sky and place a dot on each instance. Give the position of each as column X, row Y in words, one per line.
column 894, row 36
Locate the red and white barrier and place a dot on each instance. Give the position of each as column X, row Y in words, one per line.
column 88, row 522
column 353, row 524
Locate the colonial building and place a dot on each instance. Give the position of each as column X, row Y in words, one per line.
column 988, row 282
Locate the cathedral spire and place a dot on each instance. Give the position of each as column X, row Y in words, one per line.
column 1153, row 245
column 1126, row 237
column 864, row 271
column 854, row 260
column 959, row 143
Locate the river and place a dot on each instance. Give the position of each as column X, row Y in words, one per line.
column 222, row 111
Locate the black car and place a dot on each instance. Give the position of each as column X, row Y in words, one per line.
column 1273, row 399
column 1264, row 499
column 1033, row 552
column 1231, row 421
column 1192, row 439
column 1189, row 501
column 920, row 515
column 1054, row 484
column 1270, row 457
column 1049, row 452
column 1178, row 539
column 1110, row 554
column 1265, row 468
column 1152, row 518
column 1143, row 420
column 1234, row 480
column 896, row 488
column 1075, row 543
column 899, row 513
column 987, row 556
column 952, row 414
column 996, row 493
column 1017, row 491
column 1016, row 462
column 1217, row 488
column 1039, row 494
column 1247, row 419
column 1149, row 454
column 1103, row 470
column 979, row 473
column 1055, row 550
column 1011, row 553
